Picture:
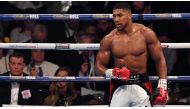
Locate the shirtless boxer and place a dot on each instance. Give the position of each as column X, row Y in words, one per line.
column 130, row 44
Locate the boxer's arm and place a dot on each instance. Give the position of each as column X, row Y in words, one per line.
column 155, row 49
column 103, row 56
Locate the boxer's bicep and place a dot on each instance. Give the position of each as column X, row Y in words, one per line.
column 103, row 56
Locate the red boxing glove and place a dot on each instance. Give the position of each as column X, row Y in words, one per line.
column 160, row 96
column 123, row 73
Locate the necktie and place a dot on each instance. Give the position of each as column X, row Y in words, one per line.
column 92, row 73
column 89, row 66
column 91, row 85
column 40, row 73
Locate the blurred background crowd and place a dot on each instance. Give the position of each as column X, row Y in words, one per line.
column 81, row 63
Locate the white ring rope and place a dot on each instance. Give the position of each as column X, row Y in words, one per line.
column 76, row 46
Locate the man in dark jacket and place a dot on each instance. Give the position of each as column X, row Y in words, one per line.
column 17, row 93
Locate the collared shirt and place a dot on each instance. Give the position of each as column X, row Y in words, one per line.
column 48, row 68
column 69, row 31
column 14, row 93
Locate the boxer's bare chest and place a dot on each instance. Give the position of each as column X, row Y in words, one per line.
column 124, row 45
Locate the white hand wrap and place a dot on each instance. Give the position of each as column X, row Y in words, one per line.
column 162, row 83
column 108, row 73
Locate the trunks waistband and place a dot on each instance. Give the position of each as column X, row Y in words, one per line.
column 133, row 79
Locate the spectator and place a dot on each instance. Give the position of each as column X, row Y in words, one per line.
column 170, row 54
column 57, row 7
column 22, row 33
column 87, row 54
column 4, row 58
column 40, row 65
column 71, row 29
column 88, row 60
column 89, row 28
column 137, row 7
column 141, row 7
column 29, row 32
column 39, row 33
column 28, row 7
column 104, row 27
column 87, row 68
column 17, row 93
column 179, row 90
column 61, row 93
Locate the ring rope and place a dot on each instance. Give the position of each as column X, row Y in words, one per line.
column 74, row 46
column 161, row 16
column 79, row 78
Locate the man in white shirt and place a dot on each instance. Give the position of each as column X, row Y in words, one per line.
column 39, row 66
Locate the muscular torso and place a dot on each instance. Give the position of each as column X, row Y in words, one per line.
column 130, row 50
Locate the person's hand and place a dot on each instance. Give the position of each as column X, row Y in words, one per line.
column 160, row 96
column 84, row 68
column 33, row 71
column 121, row 73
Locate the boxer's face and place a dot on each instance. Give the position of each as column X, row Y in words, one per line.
column 122, row 18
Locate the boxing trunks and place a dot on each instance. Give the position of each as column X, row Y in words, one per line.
column 134, row 92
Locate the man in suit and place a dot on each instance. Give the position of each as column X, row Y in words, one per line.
column 17, row 93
